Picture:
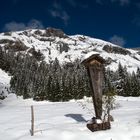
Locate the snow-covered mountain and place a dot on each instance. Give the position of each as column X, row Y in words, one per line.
column 64, row 122
column 54, row 43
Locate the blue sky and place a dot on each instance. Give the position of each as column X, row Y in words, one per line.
column 117, row 21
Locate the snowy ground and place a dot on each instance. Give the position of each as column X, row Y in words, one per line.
column 4, row 83
column 66, row 121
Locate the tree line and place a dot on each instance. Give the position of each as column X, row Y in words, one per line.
column 33, row 78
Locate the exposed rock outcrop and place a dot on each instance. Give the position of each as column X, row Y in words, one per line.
column 117, row 50
column 55, row 32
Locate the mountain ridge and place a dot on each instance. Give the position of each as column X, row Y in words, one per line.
column 54, row 43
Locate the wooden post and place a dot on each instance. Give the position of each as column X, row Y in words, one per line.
column 32, row 121
column 95, row 68
column 96, row 76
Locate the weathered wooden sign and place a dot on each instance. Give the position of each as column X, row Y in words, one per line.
column 95, row 69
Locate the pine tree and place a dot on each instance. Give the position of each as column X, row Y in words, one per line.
column 134, row 85
column 122, row 75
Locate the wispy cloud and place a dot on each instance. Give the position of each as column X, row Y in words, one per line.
column 99, row 2
column 73, row 3
column 60, row 14
column 17, row 26
column 136, row 21
column 136, row 18
column 137, row 5
column 57, row 6
column 117, row 40
column 120, row 2
column 15, row 2
column 79, row 4
column 57, row 11
column 35, row 24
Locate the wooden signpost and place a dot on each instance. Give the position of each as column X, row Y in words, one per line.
column 95, row 67
column 32, row 121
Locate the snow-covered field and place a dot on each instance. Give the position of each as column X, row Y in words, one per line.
column 66, row 120
column 4, row 83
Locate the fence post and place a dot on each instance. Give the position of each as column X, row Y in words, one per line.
column 32, row 121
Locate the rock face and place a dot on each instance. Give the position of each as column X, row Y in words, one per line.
column 54, row 43
column 138, row 52
column 55, row 33
column 14, row 45
column 117, row 50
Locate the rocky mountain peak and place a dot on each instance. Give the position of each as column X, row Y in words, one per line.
column 55, row 32
column 53, row 43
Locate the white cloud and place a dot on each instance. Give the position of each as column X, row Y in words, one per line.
column 57, row 11
column 117, row 40
column 17, row 26
column 14, row 26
